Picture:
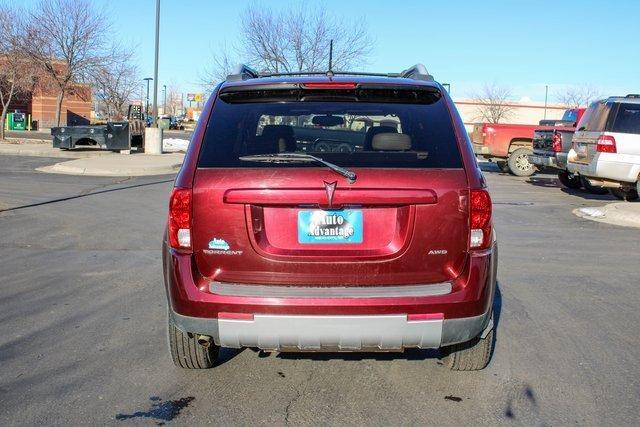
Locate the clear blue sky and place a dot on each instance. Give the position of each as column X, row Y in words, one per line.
column 522, row 44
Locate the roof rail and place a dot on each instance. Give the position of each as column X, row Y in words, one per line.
column 633, row 95
column 242, row 72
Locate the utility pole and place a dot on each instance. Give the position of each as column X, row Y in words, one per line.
column 155, row 68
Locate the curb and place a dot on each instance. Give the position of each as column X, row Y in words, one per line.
column 623, row 214
column 61, row 168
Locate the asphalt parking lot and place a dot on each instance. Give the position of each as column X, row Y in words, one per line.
column 82, row 322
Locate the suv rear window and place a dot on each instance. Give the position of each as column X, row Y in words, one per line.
column 627, row 119
column 595, row 118
column 363, row 128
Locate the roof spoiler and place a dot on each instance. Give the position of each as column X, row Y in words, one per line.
column 244, row 72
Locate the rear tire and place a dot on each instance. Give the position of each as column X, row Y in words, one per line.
column 472, row 355
column 503, row 166
column 626, row 195
column 592, row 188
column 569, row 180
column 186, row 352
column 519, row 163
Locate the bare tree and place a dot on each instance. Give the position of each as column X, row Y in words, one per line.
column 295, row 41
column 174, row 100
column 16, row 71
column 222, row 65
column 67, row 39
column 494, row 103
column 116, row 82
column 578, row 96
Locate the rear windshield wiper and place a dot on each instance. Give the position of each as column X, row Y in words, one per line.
column 300, row 157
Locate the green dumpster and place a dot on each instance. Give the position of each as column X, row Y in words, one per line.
column 164, row 123
column 17, row 121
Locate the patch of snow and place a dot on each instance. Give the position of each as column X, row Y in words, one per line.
column 174, row 144
column 593, row 212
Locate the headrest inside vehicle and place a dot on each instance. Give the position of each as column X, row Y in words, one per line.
column 391, row 142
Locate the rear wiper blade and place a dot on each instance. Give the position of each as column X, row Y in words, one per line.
column 300, row 157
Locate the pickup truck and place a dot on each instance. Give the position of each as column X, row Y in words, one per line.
column 551, row 146
column 509, row 145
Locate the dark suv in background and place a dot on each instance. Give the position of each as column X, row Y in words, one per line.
column 330, row 211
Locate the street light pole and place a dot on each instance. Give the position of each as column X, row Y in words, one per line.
column 146, row 108
column 546, row 95
column 164, row 99
column 155, row 68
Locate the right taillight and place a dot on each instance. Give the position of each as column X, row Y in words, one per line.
column 556, row 142
column 606, row 144
column 480, row 219
column 180, row 219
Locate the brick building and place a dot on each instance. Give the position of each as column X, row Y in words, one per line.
column 40, row 103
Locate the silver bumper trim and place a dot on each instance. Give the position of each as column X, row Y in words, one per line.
column 392, row 332
column 282, row 291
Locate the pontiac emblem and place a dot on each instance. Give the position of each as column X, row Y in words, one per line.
column 330, row 188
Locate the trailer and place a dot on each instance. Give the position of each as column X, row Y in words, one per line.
column 114, row 136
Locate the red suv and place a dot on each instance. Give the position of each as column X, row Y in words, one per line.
column 330, row 212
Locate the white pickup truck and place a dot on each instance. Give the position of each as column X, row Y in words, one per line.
column 606, row 146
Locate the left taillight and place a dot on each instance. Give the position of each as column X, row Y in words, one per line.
column 180, row 219
column 606, row 144
column 557, row 142
column 480, row 220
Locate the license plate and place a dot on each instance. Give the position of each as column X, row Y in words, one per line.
column 331, row 226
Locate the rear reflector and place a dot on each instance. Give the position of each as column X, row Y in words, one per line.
column 424, row 316
column 480, row 220
column 236, row 316
column 330, row 85
column 606, row 144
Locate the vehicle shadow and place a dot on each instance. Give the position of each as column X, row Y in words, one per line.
column 551, row 182
column 586, row 195
column 491, row 167
column 543, row 181
column 409, row 354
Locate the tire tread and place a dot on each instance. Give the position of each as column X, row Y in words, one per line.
column 186, row 352
column 473, row 355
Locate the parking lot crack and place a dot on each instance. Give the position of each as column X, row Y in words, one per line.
column 301, row 390
column 90, row 192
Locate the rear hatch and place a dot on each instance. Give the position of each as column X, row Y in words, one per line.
column 543, row 140
column 591, row 126
column 260, row 221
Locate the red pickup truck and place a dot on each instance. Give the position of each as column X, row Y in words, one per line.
column 509, row 145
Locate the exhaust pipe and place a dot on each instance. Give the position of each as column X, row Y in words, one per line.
column 204, row 341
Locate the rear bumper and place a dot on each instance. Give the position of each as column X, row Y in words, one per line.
column 335, row 322
column 552, row 160
column 481, row 150
column 342, row 333
column 608, row 167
